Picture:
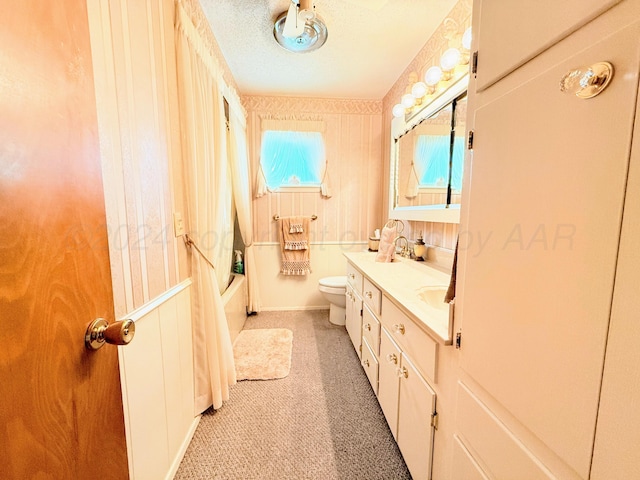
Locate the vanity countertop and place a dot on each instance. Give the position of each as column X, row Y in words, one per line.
column 415, row 287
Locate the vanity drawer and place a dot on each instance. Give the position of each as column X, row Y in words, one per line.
column 371, row 330
column 372, row 296
column 354, row 277
column 413, row 341
column 370, row 365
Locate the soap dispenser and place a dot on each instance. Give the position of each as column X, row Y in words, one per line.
column 238, row 266
column 420, row 249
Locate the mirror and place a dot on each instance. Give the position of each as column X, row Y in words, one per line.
column 428, row 158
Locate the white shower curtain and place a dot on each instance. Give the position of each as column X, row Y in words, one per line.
column 206, row 177
column 242, row 195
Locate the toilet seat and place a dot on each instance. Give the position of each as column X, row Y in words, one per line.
column 334, row 285
column 334, row 282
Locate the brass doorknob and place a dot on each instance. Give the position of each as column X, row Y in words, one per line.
column 100, row 332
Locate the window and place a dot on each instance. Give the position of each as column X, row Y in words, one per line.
column 292, row 158
column 292, row 154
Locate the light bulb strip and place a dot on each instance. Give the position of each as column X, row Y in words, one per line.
column 435, row 77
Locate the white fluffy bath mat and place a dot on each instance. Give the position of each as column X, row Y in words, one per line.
column 263, row 354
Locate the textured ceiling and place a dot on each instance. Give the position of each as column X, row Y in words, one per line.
column 370, row 43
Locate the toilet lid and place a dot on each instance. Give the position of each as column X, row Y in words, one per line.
column 335, row 282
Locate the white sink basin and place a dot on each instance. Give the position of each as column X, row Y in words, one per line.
column 434, row 296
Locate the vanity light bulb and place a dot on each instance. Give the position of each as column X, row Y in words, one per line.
column 408, row 100
column 450, row 59
column 466, row 39
column 398, row 110
column 432, row 76
column 419, row 89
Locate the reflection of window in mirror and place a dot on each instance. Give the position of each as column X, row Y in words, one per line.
column 430, row 158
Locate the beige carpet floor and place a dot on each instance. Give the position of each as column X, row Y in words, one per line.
column 322, row 421
column 263, row 353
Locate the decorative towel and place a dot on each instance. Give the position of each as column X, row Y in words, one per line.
column 296, row 228
column 294, row 245
column 386, row 247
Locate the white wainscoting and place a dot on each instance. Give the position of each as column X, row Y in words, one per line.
column 156, row 371
column 290, row 292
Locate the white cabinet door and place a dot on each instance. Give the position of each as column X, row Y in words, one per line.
column 415, row 434
column 547, row 188
column 511, row 32
column 370, row 364
column 353, row 321
column 388, row 381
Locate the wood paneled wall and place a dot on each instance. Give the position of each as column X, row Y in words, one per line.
column 135, row 77
column 353, row 141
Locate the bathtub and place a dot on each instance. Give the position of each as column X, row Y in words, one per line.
column 234, row 299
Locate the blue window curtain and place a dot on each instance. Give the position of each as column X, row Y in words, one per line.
column 292, row 158
column 431, row 159
column 292, row 152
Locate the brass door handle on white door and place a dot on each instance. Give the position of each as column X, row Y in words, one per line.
column 368, row 294
column 100, row 332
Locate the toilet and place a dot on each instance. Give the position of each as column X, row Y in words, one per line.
column 333, row 290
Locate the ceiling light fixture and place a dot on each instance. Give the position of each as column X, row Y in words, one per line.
column 300, row 29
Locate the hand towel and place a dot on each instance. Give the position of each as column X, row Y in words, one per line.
column 294, row 245
column 451, row 291
column 387, row 246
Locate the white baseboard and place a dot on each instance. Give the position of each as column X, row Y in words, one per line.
column 183, row 449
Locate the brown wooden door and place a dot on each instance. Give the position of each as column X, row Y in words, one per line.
column 61, row 411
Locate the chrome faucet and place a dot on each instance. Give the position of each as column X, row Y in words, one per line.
column 405, row 252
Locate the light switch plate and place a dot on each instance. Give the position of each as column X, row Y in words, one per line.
column 178, row 224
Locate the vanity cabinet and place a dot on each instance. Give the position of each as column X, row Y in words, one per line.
column 400, row 361
column 547, row 196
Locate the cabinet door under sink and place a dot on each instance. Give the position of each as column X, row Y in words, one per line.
column 416, row 410
column 388, row 380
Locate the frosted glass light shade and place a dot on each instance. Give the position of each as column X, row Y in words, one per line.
column 466, row 39
column 408, row 100
column 419, row 89
column 450, row 59
column 398, row 110
column 433, row 75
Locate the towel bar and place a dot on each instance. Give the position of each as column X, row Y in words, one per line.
column 276, row 217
